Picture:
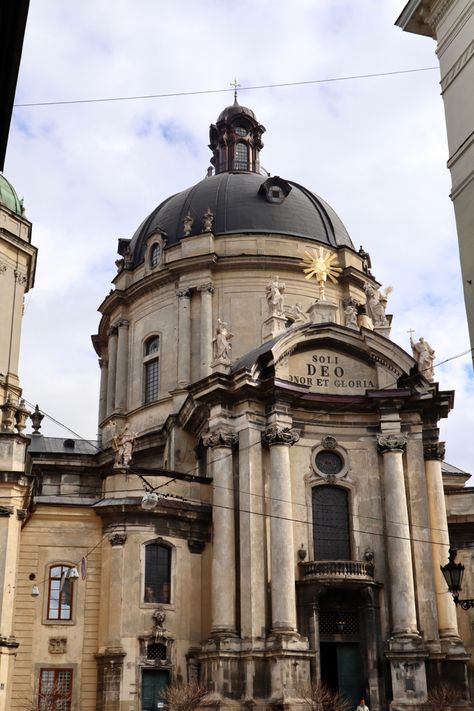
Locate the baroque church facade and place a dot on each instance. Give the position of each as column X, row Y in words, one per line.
column 264, row 507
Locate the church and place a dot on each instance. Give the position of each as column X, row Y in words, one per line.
column 264, row 509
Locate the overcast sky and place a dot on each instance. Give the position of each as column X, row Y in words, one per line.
column 374, row 148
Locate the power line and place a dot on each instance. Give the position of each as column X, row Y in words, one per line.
column 224, row 91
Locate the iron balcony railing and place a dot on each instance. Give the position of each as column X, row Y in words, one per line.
column 337, row 569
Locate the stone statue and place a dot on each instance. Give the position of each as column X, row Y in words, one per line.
column 207, row 220
column 350, row 313
column 298, row 314
column 424, row 356
column 187, row 225
column 123, row 447
column 376, row 304
column 275, row 290
column 222, row 342
column 366, row 261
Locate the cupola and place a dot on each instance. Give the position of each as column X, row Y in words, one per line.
column 236, row 140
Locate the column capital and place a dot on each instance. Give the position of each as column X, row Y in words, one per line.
column 207, row 287
column 112, row 331
column 391, row 443
column 220, row 438
column 434, row 451
column 123, row 323
column 183, row 293
column 279, row 435
column 103, row 362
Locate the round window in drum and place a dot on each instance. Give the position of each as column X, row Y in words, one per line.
column 329, row 462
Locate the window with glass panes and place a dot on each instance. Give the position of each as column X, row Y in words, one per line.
column 241, row 161
column 151, row 369
column 55, row 690
column 157, row 573
column 155, row 254
column 331, row 523
column 60, row 589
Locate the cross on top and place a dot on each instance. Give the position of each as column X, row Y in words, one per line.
column 235, row 84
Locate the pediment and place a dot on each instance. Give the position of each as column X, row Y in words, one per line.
column 330, row 359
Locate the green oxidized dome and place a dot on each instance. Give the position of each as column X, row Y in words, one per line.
column 9, row 198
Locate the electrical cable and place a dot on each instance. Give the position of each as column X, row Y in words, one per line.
column 222, row 91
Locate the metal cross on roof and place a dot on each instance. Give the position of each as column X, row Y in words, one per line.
column 235, row 84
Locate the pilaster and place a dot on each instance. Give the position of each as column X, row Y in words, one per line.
column 104, row 366
column 184, row 337
column 122, row 366
column 112, row 369
column 206, row 328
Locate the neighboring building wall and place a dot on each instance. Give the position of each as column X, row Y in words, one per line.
column 17, row 269
column 61, row 535
column 451, row 24
column 460, row 510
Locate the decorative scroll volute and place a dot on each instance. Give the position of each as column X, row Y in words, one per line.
column 391, row 443
column 434, row 451
column 220, row 438
column 279, row 435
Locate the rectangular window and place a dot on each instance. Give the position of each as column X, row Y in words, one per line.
column 55, row 690
column 157, row 573
column 151, row 380
column 331, row 523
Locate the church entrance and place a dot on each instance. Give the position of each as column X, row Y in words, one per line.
column 341, row 669
column 154, row 681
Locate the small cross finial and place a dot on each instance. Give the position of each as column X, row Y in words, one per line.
column 235, row 84
column 410, row 331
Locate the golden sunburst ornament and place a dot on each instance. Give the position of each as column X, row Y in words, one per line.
column 321, row 264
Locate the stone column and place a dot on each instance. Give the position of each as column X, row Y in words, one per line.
column 112, row 370
column 434, row 453
column 223, row 535
column 206, row 328
column 184, row 337
column 252, row 534
column 402, row 589
column 122, row 367
column 104, row 366
column 283, row 592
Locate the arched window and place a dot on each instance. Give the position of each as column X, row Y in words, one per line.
column 157, row 573
column 331, row 523
column 155, row 254
column 60, row 593
column 151, row 369
column 241, row 160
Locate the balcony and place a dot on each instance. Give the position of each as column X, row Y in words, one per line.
column 352, row 571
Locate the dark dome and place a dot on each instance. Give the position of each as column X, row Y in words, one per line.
column 239, row 204
column 230, row 111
